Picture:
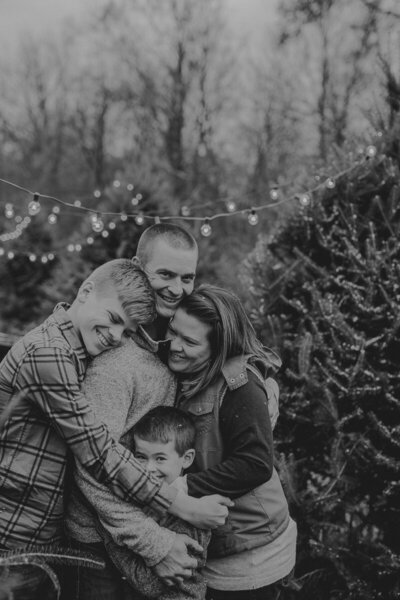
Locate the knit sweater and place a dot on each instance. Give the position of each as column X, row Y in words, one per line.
column 122, row 384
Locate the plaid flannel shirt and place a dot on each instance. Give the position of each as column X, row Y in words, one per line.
column 46, row 416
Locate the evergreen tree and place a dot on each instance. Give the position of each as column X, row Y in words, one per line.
column 326, row 291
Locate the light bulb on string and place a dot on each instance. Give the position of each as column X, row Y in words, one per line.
column 44, row 259
column 18, row 219
column 10, row 255
column 56, row 210
column 123, row 217
column 70, row 247
column 252, row 217
column 51, row 256
column 78, row 247
column 130, row 187
column 32, row 257
column 2, row 251
column 231, row 206
column 89, row 240
column 116, row 183
column 139, row 220
column 52, row 219
column 330, row 183
column 77, row 203
column 9, row 211
column 105, row 233
column 134, row 201
column 34, row 205
column 305, row 199
column 274, row 193
column 371, row 151
column 111, row 225
column 205, row 229
column 97, row 193
column 97, row 225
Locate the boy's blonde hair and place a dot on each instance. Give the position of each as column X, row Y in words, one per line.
column 130, row 283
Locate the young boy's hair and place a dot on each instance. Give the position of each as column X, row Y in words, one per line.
column 132, row 286
column 165, row 424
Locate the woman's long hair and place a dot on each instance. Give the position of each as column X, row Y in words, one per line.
column 231, row 332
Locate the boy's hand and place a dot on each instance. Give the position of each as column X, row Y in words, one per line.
column 207, row 512
column 177, row 564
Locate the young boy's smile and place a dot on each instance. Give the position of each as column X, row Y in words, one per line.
column 162, row 459
column 101, row 321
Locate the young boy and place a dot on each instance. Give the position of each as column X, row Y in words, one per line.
column 45, row 415
column 163, row 442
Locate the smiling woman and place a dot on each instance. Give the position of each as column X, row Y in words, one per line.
column 225, row 385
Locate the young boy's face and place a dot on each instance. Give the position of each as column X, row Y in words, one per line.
column 101, row 320
column 162, row 460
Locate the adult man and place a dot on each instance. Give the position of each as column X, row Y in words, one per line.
column 135, row 379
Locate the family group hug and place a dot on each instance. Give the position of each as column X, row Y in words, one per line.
column 136, row 426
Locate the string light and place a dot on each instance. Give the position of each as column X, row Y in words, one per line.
column 330, row 183
column 98, row 224
column 206, row 229
column 34, row 205
column 274, row 193
column 305, row 199
column 252, row 217
column 139, row 220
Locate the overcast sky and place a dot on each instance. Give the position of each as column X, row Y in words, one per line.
column 17, row 17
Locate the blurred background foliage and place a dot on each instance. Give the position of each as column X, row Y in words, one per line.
column 156, row 107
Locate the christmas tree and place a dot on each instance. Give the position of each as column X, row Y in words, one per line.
column 326, row 293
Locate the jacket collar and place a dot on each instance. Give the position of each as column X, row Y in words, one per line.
column 235, row 372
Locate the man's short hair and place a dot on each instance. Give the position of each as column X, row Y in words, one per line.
column 164, row 424
column 132, row 286
column 174, row 235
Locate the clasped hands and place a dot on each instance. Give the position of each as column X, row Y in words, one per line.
column 207, row 512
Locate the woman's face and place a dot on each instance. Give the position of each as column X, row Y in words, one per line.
column 190, row 349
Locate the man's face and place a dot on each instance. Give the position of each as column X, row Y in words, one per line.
column 171, row 272
column 161, row 459
column 101, row 320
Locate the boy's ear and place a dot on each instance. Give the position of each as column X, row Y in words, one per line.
column 136, row 261
column 85, row 290
column 188, row 458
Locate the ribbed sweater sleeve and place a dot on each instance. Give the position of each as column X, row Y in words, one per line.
column 248, row 447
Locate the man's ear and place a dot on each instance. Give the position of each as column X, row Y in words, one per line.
column 188, row 458
column 136, row 262
column 85, row 290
